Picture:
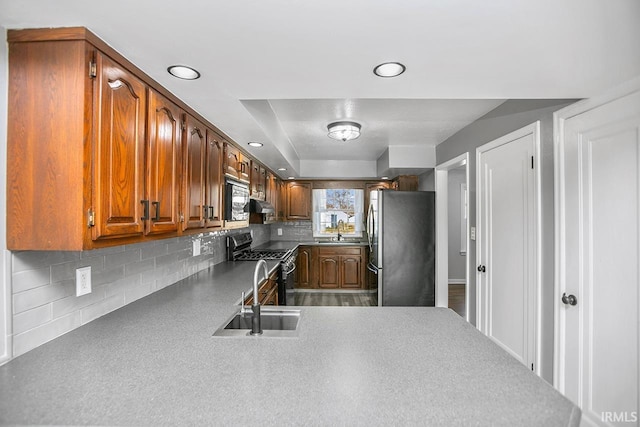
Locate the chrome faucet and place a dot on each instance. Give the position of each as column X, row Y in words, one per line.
column 340, row 223
column 256, row 328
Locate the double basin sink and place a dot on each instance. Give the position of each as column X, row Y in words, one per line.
column 275, row 322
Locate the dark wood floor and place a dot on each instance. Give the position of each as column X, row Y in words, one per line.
column 360, row 299
column 367, row 299
column 457, row 299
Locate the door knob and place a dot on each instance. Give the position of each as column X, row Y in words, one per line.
column 482, row 269
column 570, row 300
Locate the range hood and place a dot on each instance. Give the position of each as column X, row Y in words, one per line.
column 260, row 206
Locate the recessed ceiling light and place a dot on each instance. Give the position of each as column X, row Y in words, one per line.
column 292, row 177
column 256, row 144
column 282, row 169
column 385, row 177
column 183, row 72
column 389, row 69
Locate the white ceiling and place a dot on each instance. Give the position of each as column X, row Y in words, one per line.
column 279, row 71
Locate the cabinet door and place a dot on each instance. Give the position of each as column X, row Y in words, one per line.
column 303, row 270
column 231, row 160
column 299, row 200
column 119, row 153
column 351, row 272
column 164, row 151
column 213, row 197
column 194, row 174
column 329, row 271
column 255, row 180
column 282, row 200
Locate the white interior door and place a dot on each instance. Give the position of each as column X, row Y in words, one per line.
column 597, row 256
column 508, row 242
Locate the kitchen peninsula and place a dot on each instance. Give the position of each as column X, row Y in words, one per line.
column 155, row 361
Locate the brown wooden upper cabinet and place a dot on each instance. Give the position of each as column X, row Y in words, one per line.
column 76, row 163
column 164, row 165
column 194, row 173
column 214, row 183
column 298, row 200
column 119, row 163
column 258, row 181
column 236, row 165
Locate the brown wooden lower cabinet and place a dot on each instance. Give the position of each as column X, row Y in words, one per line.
column 335, row 267
column 268, row 291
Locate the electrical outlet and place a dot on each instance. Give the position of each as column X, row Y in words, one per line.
column 472, row 233
column 196, row 247
column 279, row 231
column 83, row 281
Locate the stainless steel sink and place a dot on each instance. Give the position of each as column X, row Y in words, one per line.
column 276, row 322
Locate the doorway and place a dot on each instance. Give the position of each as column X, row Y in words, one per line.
column 508, row 245
column 597, row 297
column 452, row 235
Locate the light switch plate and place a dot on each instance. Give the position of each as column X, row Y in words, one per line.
column 196, row 247
column 83, row 281
column 279, row 231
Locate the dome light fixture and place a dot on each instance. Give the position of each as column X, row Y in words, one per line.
column 344, row 131
column 389, row 69
column 255, row 144
column 183, row 72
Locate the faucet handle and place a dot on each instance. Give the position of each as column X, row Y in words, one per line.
column 243, row 310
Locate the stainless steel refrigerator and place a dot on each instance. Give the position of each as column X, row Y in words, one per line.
column 401, row 230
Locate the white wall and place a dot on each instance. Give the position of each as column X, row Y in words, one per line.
column 5, row 299
column 506, row 118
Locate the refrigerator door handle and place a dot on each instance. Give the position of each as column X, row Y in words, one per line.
column 372, row 268
column 370, row 227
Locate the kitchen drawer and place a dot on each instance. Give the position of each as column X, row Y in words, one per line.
column 340, row 250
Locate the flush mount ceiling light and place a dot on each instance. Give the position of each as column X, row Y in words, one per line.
column 389, row 69
column 256, row 144
column 183, row 72
column 343, row 131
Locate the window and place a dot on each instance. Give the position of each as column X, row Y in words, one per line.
column 338, row 210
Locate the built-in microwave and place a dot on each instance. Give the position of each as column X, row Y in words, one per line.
column 236, row 204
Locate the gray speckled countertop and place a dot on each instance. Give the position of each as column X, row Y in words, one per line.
column 155, row 362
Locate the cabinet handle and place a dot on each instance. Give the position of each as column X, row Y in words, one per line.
column 157, row 206
column 205, row 211
column 211, row 212
column 145, row 214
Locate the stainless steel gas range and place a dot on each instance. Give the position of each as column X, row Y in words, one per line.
column 239, row 249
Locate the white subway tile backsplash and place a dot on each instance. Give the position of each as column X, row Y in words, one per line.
column 29, row 279
column 73, row 303
column 67, row 270
column 32, row 298
column 26, row 260
column 139, row 267
column 101, row 308
column 31, row 318
column 107, row 276
column 34, row 337
column 121, row 258
column 43, row 282
column 138, row 292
